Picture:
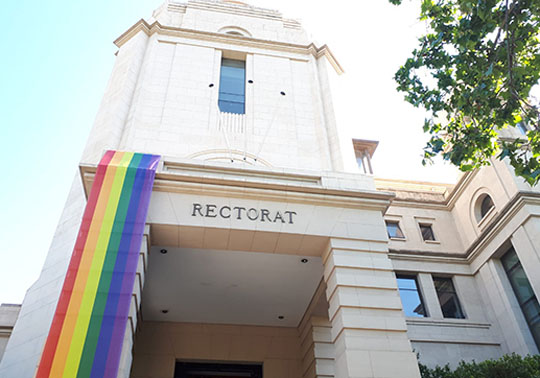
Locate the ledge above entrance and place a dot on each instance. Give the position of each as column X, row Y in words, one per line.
column 214, row 178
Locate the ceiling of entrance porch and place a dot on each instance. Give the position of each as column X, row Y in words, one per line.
column 228, row 287
column 237, row 240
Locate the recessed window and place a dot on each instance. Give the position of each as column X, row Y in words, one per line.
column 486, row 205
column 427, row 232
column 393, row 229
column 448, row 299
column 232, row 86
column 411, row 299
column 523, row 291
column 483, row 206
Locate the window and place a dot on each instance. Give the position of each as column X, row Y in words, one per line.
column 448, row 298
column 410, row 296
column 483, row 206
column 394, row 232
column 523, row 291
column 232, row 86
column 427, row 232
column 486, row 205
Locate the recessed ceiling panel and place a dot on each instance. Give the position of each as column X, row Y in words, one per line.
column 229, row 287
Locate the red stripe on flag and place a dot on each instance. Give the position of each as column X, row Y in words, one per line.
column 65, row 295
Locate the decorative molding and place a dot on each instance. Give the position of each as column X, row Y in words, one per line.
column 157, row 28
column 295, row 187
column 500, row 220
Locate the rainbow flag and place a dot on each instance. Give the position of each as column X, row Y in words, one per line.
column 87, row 332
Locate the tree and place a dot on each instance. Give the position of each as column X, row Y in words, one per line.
column 473, row 72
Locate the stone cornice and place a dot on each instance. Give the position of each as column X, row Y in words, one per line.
column 236, row 9
column 488, row 234
column 446, row 204
column 294, row 186
column 157, row 28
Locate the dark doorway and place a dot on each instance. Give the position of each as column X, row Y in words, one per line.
column 204, row 370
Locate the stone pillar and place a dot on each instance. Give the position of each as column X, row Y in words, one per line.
column 317, row 348
column 368, row 327
column 515, row 333
column 315, row 331
column 528, row 251
column 429, row 294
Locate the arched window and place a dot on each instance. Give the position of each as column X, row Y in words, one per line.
column 234, row 30
column 483, row 206
column 486, row 205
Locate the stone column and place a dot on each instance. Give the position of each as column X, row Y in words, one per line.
column 315, row 331
column 317, row 348
column 515, row 333
column 528, row 251
column 368, row 327
column 429, row 294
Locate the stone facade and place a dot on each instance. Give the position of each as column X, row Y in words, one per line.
column 311, row 292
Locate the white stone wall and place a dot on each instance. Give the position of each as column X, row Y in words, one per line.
column 214, row 16
column 24, row 349
column 8, row 317
column 160, row 344
column 174, row 111
column 160, row 99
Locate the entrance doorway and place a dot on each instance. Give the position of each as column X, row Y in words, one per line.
column 209, row 370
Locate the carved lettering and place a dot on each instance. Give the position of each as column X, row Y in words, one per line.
column 265, row 213
column 278, row 216
column 210, row 211
column 250, row 211
column 197, row 207
column 237, row 212
column 290, row 216
column 223, row 215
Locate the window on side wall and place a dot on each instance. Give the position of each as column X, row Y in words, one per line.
column 232, row 86
column 411, row 299
column 427, row 232
column 393, row 229
column 523, row 291
column 448, row 299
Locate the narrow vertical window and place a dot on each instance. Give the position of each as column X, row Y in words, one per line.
column 411, row 299
column 427, row 232
column 524, row 292
column 486, row 205
column 448, row 298
column 232, row 86
column 394, row 231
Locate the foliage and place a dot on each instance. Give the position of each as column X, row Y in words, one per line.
column 509, row 366
column 473, row 71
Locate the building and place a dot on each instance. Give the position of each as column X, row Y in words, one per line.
column 260, row 252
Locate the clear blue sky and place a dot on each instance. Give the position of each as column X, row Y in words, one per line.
column 57, row 57
column 55, row 62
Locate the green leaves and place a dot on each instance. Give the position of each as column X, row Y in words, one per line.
column 508, row 366
column 476, row 66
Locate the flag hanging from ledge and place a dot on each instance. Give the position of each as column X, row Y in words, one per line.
column 87, row 332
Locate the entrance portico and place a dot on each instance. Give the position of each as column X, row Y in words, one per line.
column 313, row 296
